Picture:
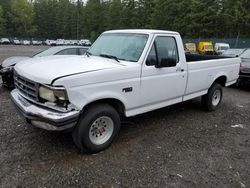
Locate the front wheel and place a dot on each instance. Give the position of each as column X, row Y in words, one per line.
column 211, row 101
column 97, row 128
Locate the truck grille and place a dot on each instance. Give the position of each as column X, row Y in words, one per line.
column 26, row 87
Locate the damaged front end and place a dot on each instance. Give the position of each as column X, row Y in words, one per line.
column 42, row 117
column 44, row 106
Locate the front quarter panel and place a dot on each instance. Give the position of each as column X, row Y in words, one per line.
column 89, row 87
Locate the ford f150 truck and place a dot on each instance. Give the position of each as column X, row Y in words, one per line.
column 124, row 73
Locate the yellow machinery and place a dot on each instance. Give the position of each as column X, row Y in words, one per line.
column 205, row 48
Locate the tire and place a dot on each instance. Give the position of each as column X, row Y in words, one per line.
column 212, row 100
column 96, row 128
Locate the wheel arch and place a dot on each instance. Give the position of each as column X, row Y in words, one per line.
column 115, row 103
column 222, row 80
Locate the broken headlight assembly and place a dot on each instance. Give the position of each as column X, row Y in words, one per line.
column 53, row 95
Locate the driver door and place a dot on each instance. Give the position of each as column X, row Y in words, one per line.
column 166, row 85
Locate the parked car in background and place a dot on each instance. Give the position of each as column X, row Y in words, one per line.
column 74, row 42
column 26, row 42
column 244, row 75
column 4, row 41
column 16, row 42
column 6, row 68
column 205, row 48
column 36, row 42
column 67, row 42
column 190, row 47
column 60, row 42
column 125, row 73
column 234, row 52
column 50, row 42
column 221, row 47
column 84, row 42
column 63, row 50
column 47, row 42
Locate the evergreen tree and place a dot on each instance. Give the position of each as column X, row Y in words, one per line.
column 78, row 19
column 2, row 22
column 113, row 15
column 22, row 16
column 128, row 14
column 93, row 19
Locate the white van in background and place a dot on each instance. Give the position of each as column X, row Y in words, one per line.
column 221, row 47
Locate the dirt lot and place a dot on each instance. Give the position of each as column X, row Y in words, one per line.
column 178, row 146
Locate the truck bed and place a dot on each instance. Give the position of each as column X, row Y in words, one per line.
column 198, row 57
column 202, row 73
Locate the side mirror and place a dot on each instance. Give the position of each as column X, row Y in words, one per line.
column 166, row 62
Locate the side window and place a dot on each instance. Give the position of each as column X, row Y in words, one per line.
column 71, row 51
column 82, row 50
column 164, row 48
column 152, row 60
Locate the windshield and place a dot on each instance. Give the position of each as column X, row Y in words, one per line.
column 224, row 48
column 233, row 52
column 47, row 52
column 123, row 46
column 208, row 47
column 191, row 46
column 246, row 54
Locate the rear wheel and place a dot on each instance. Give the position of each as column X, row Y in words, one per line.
column 97, row 128
column 211, row 101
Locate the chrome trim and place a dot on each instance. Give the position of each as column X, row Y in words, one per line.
column 49, row 119
column 56, row 108
column 26, row 87
column 34, row 97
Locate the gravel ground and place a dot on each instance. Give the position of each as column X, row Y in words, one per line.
column 178, row 146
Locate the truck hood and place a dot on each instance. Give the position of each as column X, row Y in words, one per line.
column 46, row 69
column 11, row 61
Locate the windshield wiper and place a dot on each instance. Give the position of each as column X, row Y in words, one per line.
column 88, row 53
column 110, row 57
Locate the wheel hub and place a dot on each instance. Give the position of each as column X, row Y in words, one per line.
column 101, row 130
column 216, row 97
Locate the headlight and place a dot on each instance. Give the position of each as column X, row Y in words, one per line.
column 53, row 94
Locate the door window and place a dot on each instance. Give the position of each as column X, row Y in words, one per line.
column 163, row 48
column 82, row 51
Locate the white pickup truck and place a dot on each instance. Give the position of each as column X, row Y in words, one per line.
column 124, row 73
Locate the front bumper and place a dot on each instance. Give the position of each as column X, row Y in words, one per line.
column 42, row 117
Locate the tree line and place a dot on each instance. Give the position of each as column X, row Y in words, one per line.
column 79, row 19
